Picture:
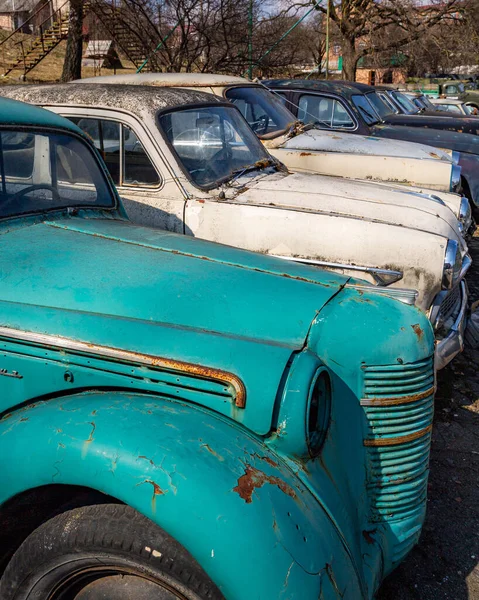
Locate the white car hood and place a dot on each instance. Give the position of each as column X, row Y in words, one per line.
column 356, row 200
column 335, row 141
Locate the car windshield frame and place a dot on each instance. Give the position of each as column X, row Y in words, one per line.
column 374, row 118
column 274, row 101
column 405, row 103
column 264, row 158
column 108, row 186
column 383, row 106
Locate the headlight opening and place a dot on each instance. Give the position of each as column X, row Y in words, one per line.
column 319, row 411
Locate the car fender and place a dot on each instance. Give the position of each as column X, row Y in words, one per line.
column 232, row 503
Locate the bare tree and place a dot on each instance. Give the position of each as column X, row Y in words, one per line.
column 358, row 21
column 73, row 56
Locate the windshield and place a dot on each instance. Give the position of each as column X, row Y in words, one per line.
column 213, row 143
column 407, row 105
column 427, row 103
column 366, row 109
column 47, row 171
column 382, row 104
column 264, row 111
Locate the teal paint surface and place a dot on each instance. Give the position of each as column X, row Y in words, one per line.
column 236, row 486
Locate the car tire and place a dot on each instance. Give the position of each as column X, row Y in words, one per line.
column 107, row 552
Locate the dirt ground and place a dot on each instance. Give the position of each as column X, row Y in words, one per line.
column 445, row 564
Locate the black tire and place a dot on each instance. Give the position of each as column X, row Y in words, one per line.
column 104, row 552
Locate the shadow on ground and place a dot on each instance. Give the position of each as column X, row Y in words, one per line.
column 445, row 564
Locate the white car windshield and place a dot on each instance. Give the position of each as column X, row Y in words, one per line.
column 41, row 171
column 213, row 143
column 265, row 112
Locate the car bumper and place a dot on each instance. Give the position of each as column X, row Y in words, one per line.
column 452, row 343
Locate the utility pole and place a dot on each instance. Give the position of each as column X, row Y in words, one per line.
column 250, row 40
column 327, row 39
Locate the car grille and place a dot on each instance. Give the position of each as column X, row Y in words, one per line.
column 451, row 305
column 398, row 402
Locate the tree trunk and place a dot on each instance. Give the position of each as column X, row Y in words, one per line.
column 73, row 56
column 350, row 59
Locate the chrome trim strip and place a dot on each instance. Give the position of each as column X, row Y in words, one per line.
column 399, row 400
column 455, row 185
column 375, row 272
column 405, row 296
column 399, row 440
column 61, row 343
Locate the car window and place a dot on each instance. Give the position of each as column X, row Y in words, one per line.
column 213, row 143
column 382, row 103
column 453, row 108
column 451, row 89
column 405, row 103
column 48, row 171
column 325, row 112
column 367, row 110
column 263, row 110
column 127, row 162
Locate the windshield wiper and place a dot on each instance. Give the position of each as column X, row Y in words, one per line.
column 259, row 164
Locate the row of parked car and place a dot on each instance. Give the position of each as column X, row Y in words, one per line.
column 176, row 412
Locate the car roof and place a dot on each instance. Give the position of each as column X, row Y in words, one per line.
column 20, row 114
column 168, row 79
column 446, row 101
column 138, row 100
column 318, row 85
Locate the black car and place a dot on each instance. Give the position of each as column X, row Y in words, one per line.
column 387, row 102
column 337, row 105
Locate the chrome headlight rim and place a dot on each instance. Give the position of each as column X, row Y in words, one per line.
column 465, row 214
column 452, row 265
column 456, row 171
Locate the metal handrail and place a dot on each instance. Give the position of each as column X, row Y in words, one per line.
column 41, row 8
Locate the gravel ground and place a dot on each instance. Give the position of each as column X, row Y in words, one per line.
column 445, row 564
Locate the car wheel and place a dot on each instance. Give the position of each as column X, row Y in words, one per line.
column 104, row 552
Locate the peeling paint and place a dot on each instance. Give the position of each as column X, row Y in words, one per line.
column 254, row 479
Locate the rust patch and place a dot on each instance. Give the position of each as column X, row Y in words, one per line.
column 269, row 461
column 399, row 440
column 434, row 155
column 305, row 154
column 399, row 400
column 418, row 331
column 148, row 459
column 211, row 451
column 157, row 491
column 254, row 479
column 368, row 536
column 90, row 437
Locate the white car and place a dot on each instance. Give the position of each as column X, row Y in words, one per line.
column 188, row 162
column 308, row 149
column 457, row 107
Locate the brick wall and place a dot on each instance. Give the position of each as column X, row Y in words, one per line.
column 6, row 21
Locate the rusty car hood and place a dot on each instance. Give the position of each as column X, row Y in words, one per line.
column 349, row 199
column 336, row 141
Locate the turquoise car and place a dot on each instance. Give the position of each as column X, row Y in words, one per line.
column 185, row 420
